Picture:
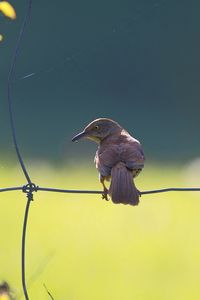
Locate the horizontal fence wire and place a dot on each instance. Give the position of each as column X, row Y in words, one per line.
column 26, row 189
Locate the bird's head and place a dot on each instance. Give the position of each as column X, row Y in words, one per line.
column 98, row 130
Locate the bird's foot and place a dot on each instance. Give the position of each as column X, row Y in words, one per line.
column 105, row 194
column 139, row 193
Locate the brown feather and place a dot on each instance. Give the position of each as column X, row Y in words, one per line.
column 122, row 188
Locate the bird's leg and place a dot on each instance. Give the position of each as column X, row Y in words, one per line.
column 105, row 190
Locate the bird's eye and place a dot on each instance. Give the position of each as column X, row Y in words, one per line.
column 96, row 127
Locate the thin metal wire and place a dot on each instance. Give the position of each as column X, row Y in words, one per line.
column 171, row 190
column 26, row 189
column 56, row 190
column 46, row 189
column 23, row 248
column 9, row 89
column 10, row 189
column 13, row 130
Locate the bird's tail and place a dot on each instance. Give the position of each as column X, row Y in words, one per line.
column 122, row 188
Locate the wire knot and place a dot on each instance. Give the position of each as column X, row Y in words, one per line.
column 29, row 189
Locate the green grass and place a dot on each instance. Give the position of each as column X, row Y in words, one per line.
column 82, row 247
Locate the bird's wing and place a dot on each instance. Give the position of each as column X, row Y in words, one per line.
column 106, row 158
column 130, row 152
column 132, row 155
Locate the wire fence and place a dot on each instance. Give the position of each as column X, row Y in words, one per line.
column 27, row 189
column 30, row 188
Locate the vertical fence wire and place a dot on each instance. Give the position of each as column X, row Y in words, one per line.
column 9, row 89
column 14, row 136
column 23, row 249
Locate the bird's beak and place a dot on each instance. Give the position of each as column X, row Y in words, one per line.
column 79, row 136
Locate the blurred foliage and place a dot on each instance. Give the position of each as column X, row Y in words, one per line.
column 83, row 247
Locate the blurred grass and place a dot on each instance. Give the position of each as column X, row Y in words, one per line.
column 82, row 247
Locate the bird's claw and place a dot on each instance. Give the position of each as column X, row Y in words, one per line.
column 105, row 195
column 139, row 193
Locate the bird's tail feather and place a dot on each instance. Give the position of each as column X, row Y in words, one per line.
column 122, row 188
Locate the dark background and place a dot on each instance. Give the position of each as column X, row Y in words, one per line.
column 134, row 61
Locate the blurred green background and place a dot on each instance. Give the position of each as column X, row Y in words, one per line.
column 134, row 61
column 138, row 63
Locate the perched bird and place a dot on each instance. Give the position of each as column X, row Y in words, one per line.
column 119, row 157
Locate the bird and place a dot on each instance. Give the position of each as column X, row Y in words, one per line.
column 119, row 158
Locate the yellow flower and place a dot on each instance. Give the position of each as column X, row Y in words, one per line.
column 1, row 37
column 7, row 9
